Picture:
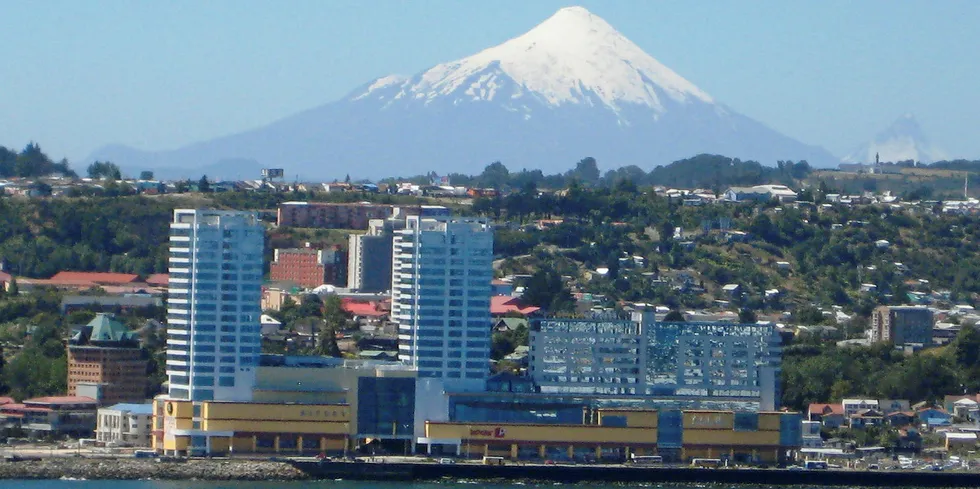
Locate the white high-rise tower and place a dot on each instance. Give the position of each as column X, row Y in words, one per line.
column 441, row 273
column 213, row 307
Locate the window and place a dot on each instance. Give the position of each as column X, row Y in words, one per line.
column 746, row 421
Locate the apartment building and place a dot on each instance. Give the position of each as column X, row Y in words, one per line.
column 213, row 328
column 309, row 267
column 441, row 275
column 902, row 325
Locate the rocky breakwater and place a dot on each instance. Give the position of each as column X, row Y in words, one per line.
column 132, row 469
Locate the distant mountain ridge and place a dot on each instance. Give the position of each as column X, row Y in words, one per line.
column 571, row 87
column 903, row 140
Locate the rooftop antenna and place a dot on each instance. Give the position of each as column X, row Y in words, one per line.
column 966, row 186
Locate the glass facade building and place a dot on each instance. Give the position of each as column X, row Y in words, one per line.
column 213, row 330
column 386, row 407
column 639, row 356
column 441, row 273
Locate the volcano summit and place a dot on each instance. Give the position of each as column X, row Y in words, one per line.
column 570, row 87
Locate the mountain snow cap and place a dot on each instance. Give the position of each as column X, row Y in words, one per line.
column 573, row 57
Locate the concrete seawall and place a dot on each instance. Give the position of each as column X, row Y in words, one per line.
column 599, row 473
column 263, row 470
column 132, row 468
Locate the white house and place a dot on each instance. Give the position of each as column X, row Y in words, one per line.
column 852, row 406
column 126, row 424
column 781, row 193
column 732, row 289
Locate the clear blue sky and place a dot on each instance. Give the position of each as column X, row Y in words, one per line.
column 77, row 75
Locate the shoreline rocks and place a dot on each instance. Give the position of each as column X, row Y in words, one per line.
column 135, row 469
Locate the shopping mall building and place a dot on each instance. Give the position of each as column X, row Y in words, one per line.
column 312, row 405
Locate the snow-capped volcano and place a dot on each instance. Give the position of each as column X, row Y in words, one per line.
column 570, row 87
column 903, row 140
column 574, row 57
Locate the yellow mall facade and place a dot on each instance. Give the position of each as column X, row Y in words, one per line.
column 308, row 410
column 252, row 427
column 295, row 410
column 619, row 435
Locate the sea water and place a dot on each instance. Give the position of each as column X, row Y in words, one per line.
column 340, row 484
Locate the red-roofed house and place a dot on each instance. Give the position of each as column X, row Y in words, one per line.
column 158, row 280
column 6, row 400
column 92, row 278
column 505, row 304
column 368, row 310
column 55, row 415
column 830, row 415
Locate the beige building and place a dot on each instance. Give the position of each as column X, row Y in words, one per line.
column 125, row 424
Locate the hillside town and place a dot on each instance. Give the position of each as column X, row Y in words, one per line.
column 409, row 327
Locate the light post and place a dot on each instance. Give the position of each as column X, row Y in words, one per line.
column 346, row 438
column 468, row 430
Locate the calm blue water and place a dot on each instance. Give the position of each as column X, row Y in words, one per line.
column 62, row 484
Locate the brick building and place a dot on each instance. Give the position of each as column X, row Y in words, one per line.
column 105, row 361
column 331, row 215
column 309, row 267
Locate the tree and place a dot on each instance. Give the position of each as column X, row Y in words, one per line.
column 547, row 290
column 808, row 315
column 327, row 342
column 334, row 314
column 674, row 316
column 967, row 347
column 501, row 345
column 586, row 171
column 202, row 185
column 746, row 316
column 105, row 170
column 146, row 175
column 495, row 175
column 13, row 289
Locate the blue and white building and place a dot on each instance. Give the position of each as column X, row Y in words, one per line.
column 213, row 312
column 441, row 274
column 734, row 366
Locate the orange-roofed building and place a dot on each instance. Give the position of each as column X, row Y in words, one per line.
column 92, row 278
column 505, row 304
column 158, row 280
column 371, row 310
column 830, row 415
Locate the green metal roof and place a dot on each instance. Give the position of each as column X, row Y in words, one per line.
column 106, row 329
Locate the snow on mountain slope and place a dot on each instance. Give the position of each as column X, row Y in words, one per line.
column 903, row 140
column 573, row 57
column 568, row 88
